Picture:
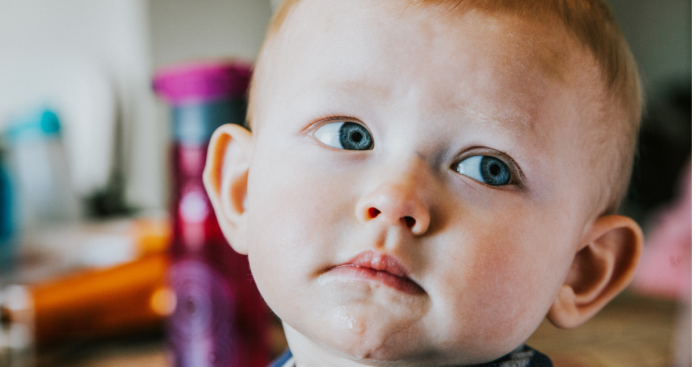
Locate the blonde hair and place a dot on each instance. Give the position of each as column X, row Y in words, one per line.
column 592, row 24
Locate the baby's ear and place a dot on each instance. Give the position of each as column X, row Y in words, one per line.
column 603, row 266
column 225, row 178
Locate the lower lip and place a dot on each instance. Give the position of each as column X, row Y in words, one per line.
column 390, row 280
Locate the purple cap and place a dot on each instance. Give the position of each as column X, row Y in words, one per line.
column 202, row 81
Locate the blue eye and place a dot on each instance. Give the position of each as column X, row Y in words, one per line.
column 485, row 169
column 345, row 135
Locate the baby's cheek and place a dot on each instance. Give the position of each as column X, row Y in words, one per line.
column 292, row 231
column 502, row 290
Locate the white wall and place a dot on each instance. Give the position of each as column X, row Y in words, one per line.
column 90, row 60
column 185, row 29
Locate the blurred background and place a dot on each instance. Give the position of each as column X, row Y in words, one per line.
column 85, row 178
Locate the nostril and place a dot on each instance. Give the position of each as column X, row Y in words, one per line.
column 373, row 212
column 410, row 222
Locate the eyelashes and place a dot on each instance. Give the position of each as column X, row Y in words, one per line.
column 486, row 169
column 345, row 135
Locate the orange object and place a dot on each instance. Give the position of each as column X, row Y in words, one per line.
column 128, row 298
column 153, row 236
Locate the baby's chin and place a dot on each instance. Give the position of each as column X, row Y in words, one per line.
column 362, row 336
column 373, row 336
column 354, row 338
column 385, row 346
column 365, row 331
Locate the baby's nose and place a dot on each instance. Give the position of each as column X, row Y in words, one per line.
column 397, row 205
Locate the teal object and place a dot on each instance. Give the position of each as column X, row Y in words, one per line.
column 35, row 126
column 8, row 245
column 39, row 123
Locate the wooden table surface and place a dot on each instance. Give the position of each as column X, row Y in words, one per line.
column 630, row 331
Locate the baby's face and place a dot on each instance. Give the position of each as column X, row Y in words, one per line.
column 418, row 184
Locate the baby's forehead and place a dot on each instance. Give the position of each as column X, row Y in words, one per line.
column 332, row 39
column 543, row 40
column 519, row 51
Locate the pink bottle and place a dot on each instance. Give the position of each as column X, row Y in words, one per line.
column 220, row 318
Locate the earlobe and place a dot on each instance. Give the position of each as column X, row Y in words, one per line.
column 602, row 267
column 225, row 178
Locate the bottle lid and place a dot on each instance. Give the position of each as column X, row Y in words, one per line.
column 37, row 123
column 202, row 81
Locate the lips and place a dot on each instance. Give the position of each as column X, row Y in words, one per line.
column 374, row 266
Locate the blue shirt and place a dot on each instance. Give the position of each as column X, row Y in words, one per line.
column 523, row 356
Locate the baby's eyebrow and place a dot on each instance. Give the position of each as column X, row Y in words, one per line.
column 509, row 120
column 349, row 86
column 344, row 87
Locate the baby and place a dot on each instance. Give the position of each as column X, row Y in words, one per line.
column 425, row 181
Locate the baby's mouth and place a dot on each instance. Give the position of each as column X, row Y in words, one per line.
column 375, row 266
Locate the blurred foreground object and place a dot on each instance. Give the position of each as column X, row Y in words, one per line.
column 40, row 169
column 126, row 299
column 35, row 187
column 220, row 318
column 111, row 282
column 665, row 267
column 56, row 251
column 8, row 238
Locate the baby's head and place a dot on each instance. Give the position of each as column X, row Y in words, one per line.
column 427, row 180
